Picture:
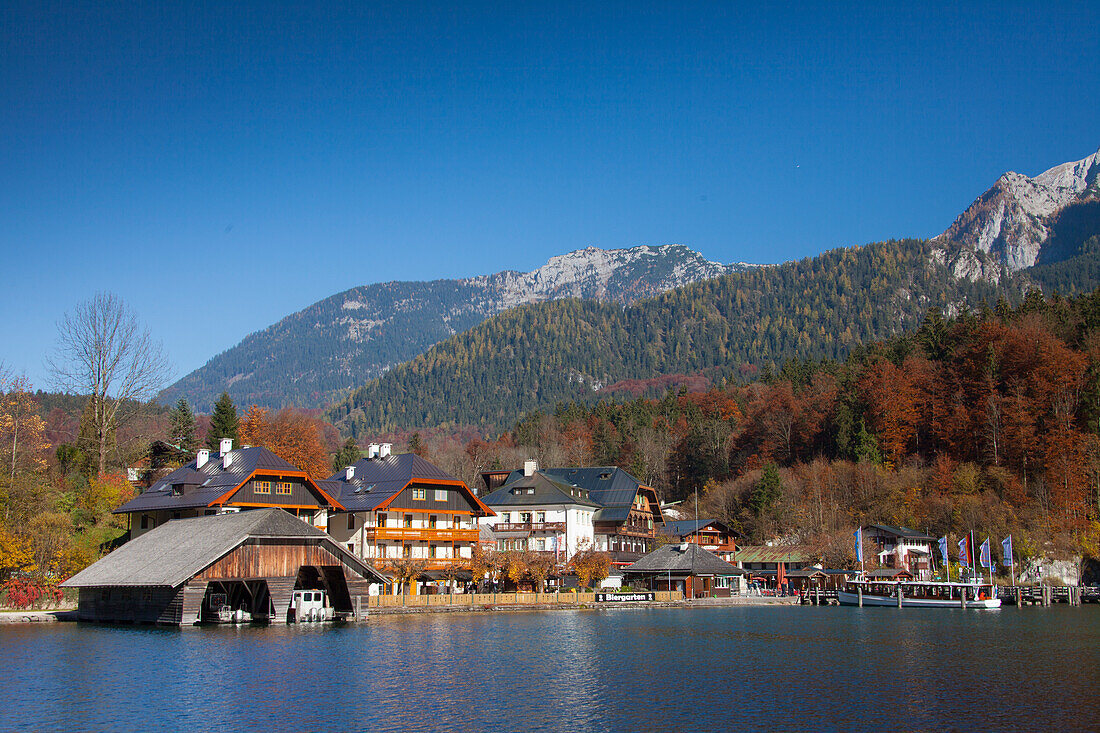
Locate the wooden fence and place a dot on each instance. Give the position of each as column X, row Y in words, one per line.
column 497, row 599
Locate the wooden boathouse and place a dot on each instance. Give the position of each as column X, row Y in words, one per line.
column 246, row 565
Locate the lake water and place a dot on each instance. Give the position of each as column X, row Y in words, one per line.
column 702, row 669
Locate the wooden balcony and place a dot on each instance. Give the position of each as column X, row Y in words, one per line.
column 409, row 534
column 529, row 527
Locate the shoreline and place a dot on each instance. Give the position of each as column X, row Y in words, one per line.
column 69, row 615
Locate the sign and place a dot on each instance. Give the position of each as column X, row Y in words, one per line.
column 624, row 597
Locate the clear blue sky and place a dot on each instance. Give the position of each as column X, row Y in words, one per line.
column 221, row 165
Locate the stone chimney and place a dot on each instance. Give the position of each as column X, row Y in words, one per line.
column 349, row 473
column 226, row 445
column 529, row 468
column 372, row 450
column 384, row 450
column 202, row 457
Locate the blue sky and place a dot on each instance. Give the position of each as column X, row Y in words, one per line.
column 221, row 165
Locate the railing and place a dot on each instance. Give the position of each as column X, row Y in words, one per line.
column 498, row 599
column 373, row 534
column 529, row 527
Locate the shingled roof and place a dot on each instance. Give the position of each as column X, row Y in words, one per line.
column 201, row 486
column 176, row 551
column 538, row 489
column 679, row 559
column 612, row 488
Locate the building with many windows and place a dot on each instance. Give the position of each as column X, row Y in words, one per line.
column 401, row 506
column 231, row 480
column 624, row 526
column 539, row 513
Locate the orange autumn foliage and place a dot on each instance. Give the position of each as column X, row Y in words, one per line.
column 294, row 437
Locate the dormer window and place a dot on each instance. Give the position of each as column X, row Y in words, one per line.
column 605, row 476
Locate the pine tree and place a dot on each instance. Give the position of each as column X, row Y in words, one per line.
column 181, row 430
column 348, row 454
column 223, row 422
column 767, row 490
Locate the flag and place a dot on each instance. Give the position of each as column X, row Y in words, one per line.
column 943, row 551
column 859, row 544
column 986, row 557
column 1006, row 543
column 964, row 554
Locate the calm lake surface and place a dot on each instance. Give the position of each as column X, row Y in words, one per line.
column 616, row 670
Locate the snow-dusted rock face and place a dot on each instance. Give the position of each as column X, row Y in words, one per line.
column 604, row 274
column 1011, row 221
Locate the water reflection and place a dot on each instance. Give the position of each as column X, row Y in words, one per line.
column 615, row 670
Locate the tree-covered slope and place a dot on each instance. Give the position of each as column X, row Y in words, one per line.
column 353, row 336
column 534, row 356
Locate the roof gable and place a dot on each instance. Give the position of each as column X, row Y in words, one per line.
column 176, row 551
column 538, row 489
column 213, row 482
column 378, row 481
column 677, row 558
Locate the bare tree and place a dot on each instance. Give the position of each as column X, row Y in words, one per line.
column 104, row 352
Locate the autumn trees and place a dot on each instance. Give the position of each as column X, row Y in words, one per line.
column 289, row 434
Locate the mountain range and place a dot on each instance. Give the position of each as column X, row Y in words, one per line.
column 483, row 350
column 354, row 336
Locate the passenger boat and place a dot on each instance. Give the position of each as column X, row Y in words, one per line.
column 918, row 594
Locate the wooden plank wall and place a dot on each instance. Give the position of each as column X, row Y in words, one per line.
column 268, row 560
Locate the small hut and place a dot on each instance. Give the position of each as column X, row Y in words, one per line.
column 688, row 568
column 238, row 565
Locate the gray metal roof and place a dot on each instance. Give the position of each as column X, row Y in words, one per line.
column 670, row 558
column 685, row 527
column 202, row 486
column 377, row 480
column 903, row 532
column 547, row 490
column 176, row 551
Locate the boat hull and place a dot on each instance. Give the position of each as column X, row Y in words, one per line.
column 847, row 598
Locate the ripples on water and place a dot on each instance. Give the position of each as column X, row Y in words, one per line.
column 616, row 670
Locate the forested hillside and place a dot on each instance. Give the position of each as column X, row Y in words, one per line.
column 728, row 328
column 990, row 423
column 344, row 340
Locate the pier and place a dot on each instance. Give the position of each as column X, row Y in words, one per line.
column 1010, row 595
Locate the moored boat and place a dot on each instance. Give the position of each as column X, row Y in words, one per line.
column 917, row 594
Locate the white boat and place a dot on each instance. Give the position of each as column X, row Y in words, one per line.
column 917, row 594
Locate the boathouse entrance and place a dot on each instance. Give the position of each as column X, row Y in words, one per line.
column 209, row 568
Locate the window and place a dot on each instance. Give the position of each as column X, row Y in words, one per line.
column 525, row 517
column 540, row 517
column 262, row 487
column 432, row 521
column 419, row 494
column 540, row 545
column 441, row 495
column 145, row 521
column 381, row 520
column 284, row 488
column 351, row 521
column 408, row 520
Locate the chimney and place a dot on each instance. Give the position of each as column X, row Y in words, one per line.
column 349, row 473
column 201, row 458
column 529, row 468
column 226, row 445
column 372, row 450
column 227, row 459
column 384, row 450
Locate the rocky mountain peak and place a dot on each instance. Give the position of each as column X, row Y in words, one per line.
column 1006, row 227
